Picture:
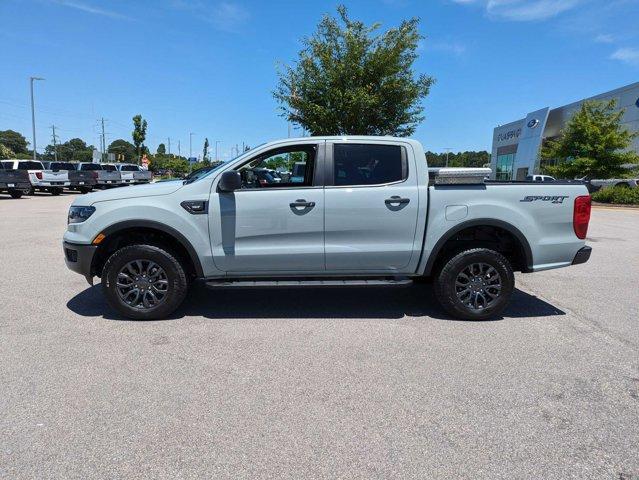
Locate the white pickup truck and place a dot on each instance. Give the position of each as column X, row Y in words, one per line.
column 364, row 211
column 41, row 179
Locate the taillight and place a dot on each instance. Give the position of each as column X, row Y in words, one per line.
column 38, row 175
column 581, row 216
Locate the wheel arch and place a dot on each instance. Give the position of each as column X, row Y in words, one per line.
column 151, row 226
column 523, row 244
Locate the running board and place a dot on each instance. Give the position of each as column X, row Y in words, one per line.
column 363, row 282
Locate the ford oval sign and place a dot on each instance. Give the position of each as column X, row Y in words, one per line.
column 533, row 123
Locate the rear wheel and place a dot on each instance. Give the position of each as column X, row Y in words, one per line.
column 475, row 284
column 85, row 189
column 55, row 191
column 144, row 282
column 15, row 193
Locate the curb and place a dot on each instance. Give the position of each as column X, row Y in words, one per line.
column 615, row 206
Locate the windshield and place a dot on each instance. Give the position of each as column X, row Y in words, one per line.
column 201, row 173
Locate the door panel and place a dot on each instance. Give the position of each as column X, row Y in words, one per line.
column 370, row 227
column 275, row 222
column 259, row 230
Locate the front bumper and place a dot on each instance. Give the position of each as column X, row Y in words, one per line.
column 79, row 258
column 582, row 255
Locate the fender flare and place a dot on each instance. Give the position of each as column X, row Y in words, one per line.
column 480, row 222
column 127, row 224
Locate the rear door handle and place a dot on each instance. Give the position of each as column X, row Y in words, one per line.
column 300, row 202
column 396, row 199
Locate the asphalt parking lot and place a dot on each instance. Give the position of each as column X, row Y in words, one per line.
column 350, row 383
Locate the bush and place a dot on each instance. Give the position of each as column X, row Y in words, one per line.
column 621, row 195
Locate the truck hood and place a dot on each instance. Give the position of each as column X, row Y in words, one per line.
column 135, row 191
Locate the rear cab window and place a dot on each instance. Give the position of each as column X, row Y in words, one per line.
column 90, row 166
column 368, row 164
column 30, row 166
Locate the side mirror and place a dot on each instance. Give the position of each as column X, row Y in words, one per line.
column 230, row 181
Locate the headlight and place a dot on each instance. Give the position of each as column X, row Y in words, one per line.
column 79, row 214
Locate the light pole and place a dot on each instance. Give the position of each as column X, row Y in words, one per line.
column 448, row 149
column 216, row 157
column 191, row 145
column 31, row 79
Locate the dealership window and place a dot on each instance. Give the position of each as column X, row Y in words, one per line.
column 504, row 170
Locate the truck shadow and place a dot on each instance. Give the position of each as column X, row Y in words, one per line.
column 347, row 302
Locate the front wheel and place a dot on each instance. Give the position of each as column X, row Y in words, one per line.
column 475, row 284
column 15, row 193
column 144, row 282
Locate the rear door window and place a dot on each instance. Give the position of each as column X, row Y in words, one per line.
column 366, row 164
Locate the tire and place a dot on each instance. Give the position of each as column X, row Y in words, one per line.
column 174, row 278
column 84, row 190
column 55, row 191
column 31, row 191
column 490, row 284
column 15, row 193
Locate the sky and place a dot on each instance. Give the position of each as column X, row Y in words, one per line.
column 209, row 67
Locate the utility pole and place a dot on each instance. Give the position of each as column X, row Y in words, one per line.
column 191, row 144
column 54, row 137
column 103, row 142
column 31, row 79
column 179, row 150
column 216, row 157
column 169, row 139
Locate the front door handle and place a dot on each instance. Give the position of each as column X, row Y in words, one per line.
column 396, row 199
column 300, row 202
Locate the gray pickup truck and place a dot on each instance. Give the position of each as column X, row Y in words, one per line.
column 14, row 182
column 105, row 177
column 363, row 211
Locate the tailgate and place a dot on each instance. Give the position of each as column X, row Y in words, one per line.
column 81, row 176
column 55, row 176
column 14, row 176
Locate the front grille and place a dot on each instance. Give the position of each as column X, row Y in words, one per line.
column 72, row 255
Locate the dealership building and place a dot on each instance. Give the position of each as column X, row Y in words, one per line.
column 516, row 145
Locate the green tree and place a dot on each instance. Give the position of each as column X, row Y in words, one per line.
column 349, row 79
column 14, row 141
column 592, row 144
column 206, row 149
column 139, row 134
column 460, row 159
column 72, row 150
column 124, row 151
column 161, row 149
column 6, row 152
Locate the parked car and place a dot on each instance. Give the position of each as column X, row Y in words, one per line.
column 82, row 181
column 106, row 177
column 40, row 178
column 540, row 178
column 14, row 182
column 363, row 214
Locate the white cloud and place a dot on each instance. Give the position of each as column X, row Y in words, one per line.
column 84, row 7
column 522, row 10
column 627, row 55
column 604, row 38
column 225, row 16
column 454, row 48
